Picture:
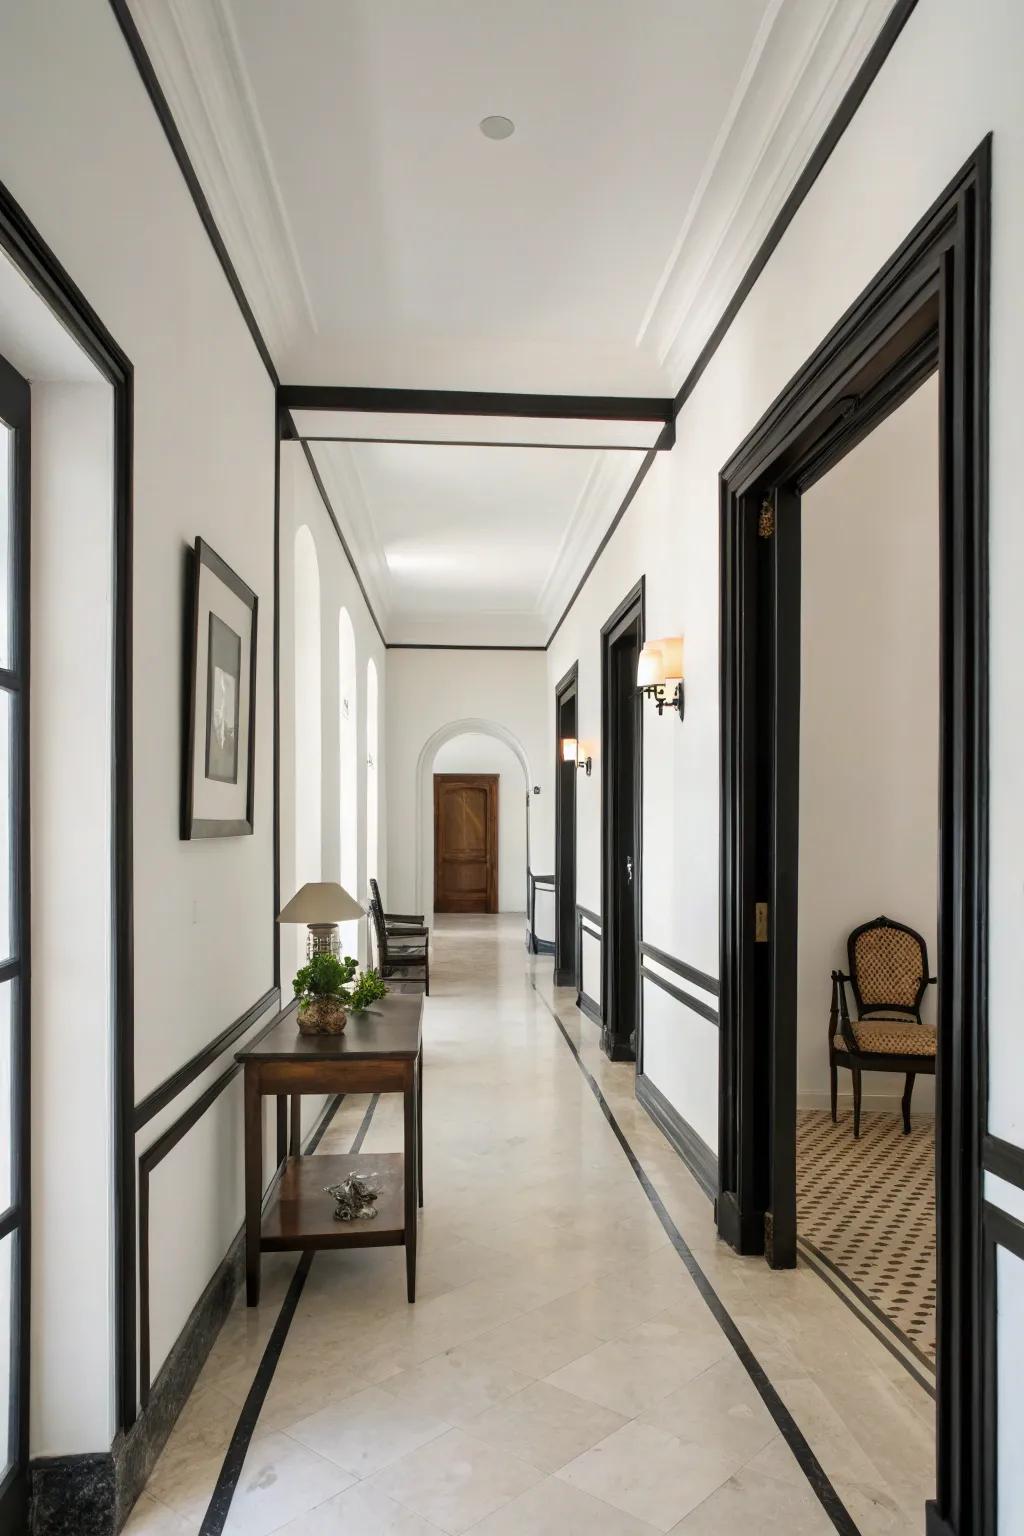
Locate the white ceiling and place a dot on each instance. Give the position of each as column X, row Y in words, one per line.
column 471, row 544
column 383, row 241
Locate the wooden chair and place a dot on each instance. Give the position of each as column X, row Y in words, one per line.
column 398, row 952
column 889, row 975
column 410, row 923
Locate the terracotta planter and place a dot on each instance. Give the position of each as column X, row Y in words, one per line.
column 322, row 1016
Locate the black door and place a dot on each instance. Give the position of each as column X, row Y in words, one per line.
column 621, row 818
column 14, row 958
column 566, row 726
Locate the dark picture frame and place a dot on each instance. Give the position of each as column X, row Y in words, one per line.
column 217, row 672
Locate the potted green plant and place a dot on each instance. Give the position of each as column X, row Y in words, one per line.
column 328, row 990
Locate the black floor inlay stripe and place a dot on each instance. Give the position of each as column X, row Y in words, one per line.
column 231, row 1470
column 788, row 1427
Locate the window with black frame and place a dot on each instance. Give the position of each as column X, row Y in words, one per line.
column 14, row 959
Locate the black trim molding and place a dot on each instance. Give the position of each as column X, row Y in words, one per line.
column 93, row 1495
column 680, row 967
column 148, row 75
column 473, row 402
column 937, row 281
column 589, row 923
column 36, row 261
column 1003, row 1159
column 841, row 119
column 1000, row 1230
column 178, row 1081
column 534, row 945
column 686, row 998
column 680, row 1135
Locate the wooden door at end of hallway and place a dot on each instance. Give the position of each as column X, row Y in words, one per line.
column 465, row 842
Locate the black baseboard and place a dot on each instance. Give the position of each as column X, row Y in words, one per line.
column 75, row 1495
column 565, row 976
column 934, row 1524
column 587, row 1006
column 543, row 946
column 680, row 1135
column 618, row 1050
column 93, row 1495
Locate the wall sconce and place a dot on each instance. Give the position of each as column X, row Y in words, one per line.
column 570, row 751
column 659, row 674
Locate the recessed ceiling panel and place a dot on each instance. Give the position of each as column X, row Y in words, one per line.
column 432, row 255
column 485, row 537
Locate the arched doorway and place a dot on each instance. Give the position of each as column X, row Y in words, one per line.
column 424, row 796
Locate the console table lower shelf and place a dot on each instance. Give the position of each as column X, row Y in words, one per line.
column 299, row 1215
column 380, row 1051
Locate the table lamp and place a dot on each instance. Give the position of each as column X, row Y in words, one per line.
column 321, row 905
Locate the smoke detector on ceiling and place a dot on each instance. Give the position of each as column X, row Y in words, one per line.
column 497, row 127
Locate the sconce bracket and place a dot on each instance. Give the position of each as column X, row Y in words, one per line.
column 677, row 701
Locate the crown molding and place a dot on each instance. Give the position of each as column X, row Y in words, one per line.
column 341, row 477
column 193, row 45
column 804, row 59
column 602, row 493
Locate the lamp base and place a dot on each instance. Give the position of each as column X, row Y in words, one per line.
column 323, row 939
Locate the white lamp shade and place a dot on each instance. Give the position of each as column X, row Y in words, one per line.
column 650, row 669
column 321, row 901
column 568, row 749
column 672, row 659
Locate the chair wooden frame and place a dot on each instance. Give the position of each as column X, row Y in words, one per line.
column 850, row 1054
column 394, row 954
column 408, row 923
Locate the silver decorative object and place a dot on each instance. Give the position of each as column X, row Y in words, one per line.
column 355, row 1198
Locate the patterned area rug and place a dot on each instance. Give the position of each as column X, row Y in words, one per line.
column 868, row 1208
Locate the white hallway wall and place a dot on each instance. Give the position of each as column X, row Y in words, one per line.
column 430, row 690
column 869, row 719
column 80, row 146
column 950, row 79
column 485, row 754
column 302, row 506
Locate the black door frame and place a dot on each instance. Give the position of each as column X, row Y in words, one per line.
column 566, row 689
column 31, row 255
column 631, row 610
column 16, row 968
column 928, row 307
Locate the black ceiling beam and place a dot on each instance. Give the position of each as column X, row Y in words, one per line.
column 472, row 402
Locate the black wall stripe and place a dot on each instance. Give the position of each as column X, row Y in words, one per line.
column 178, row 1081
column 686, row 998
column 681, row 968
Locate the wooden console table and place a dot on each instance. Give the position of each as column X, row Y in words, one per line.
column 380, row 1051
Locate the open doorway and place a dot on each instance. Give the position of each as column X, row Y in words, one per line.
column 622, row 638
column 925, row 311
column 566, row 722
column 868, row 877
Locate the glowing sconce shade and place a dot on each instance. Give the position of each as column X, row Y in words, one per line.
column 570, row 754
column 659, row 673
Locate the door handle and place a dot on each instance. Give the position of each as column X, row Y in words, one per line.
column 629, row 868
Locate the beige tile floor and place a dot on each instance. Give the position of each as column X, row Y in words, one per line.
column 560, row 1374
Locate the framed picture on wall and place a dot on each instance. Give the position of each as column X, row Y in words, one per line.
column 220, row 710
